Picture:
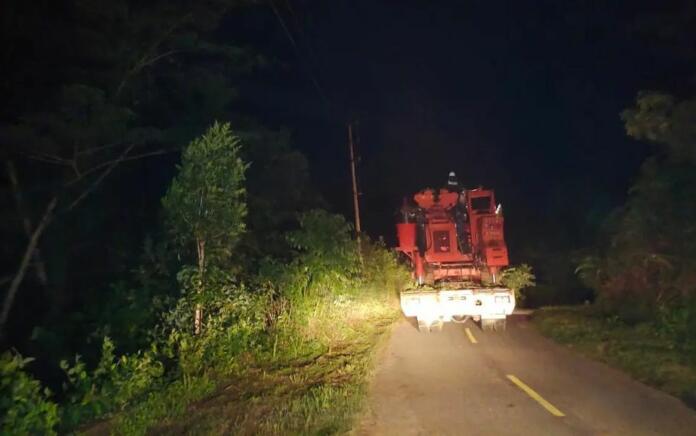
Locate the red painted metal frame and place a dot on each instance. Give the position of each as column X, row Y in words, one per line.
column 442, row 258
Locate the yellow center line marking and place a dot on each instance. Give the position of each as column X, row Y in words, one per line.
column 532, row 393
column 471, row 336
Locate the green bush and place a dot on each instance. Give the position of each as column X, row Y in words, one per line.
column 381, row 268
column 678, row 321
column 518, row 278
column 114, row 384
column 326, row 257
column 25, row 407
column 233, row 323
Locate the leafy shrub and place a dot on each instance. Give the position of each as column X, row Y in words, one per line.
column 133, row 305
column 381, row 268
column 518, row 278
column 233, row 321
column 644, row 269
column 25, row 407
column 326, row 256
column 114, row 384
column 678, row 321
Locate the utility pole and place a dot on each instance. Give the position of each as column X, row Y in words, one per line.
column 356, row 203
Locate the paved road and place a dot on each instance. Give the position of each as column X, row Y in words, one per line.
column 443, row 383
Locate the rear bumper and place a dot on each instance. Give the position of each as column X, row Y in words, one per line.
column 432, row 305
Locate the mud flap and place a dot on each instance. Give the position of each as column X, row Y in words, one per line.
column 494, row 324
column 423, row 326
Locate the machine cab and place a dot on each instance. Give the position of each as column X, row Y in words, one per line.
column 480, row 201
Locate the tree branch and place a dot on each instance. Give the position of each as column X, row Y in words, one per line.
column 99, row 179
column 28, row 253
column 149, row 57
column 47, row 158
column 93, row 150
column 154, row 59
column 26, row 221
column 119, row 160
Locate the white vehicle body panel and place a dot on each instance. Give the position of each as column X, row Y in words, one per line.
column 434, row 305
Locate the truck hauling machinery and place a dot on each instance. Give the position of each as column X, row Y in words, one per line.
column 454, row 241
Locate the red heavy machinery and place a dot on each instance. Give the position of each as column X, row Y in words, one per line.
column 454, row 240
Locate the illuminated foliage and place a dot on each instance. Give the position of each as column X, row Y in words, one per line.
column 518, row 278
column 25, row 407
column 205, row 203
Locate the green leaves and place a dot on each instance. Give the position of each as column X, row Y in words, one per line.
column 25, row 408
column 326, row 253
column 206, row 201
column 115, row 383
column 660, row 118
column 647, row 260
column 650, row 118
column 590, row 271
column 518, row 278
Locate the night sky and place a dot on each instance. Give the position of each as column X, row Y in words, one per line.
column 523, row 97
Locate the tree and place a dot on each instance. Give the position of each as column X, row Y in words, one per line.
column 278, row 192
column 90, row 88
column 661, row 119
column 205, row 204
column 649, row 253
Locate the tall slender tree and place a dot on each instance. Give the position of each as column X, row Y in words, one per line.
column 205, row 204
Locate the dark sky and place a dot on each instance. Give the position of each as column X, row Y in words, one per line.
column 520, row 96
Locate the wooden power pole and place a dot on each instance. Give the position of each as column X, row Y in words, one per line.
column 356, row 202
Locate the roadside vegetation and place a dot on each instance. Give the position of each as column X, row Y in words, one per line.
column 643, row 266
column 647, row 350
column 517, row 278
column 134, row 291
column 281, row 345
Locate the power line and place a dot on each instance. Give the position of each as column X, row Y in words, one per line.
column 298, row 52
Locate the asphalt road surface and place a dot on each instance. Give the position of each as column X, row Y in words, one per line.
column 515, row 382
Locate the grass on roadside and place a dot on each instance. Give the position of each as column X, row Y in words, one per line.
column 639, row 350
column 320, row 393
column 312, row 385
